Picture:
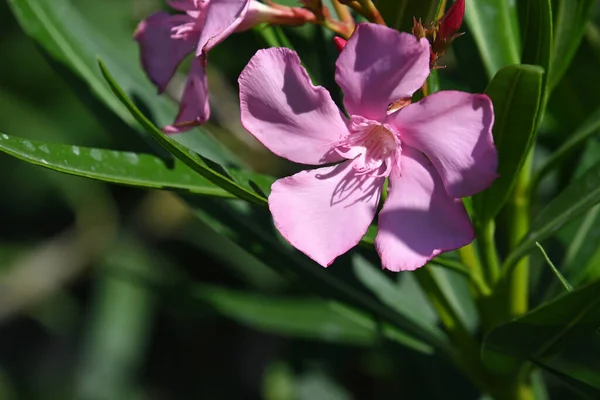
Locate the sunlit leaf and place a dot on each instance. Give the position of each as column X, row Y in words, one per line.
column 77, row 44
column 126, row 168
column 566, row 285
column 190, row 158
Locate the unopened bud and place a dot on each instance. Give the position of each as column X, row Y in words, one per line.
column 446, row 30
column 275, row 14
column 339, row 42
column 451, row 22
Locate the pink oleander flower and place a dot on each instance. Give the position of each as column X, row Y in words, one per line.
column 165, row 40
column 433, row 152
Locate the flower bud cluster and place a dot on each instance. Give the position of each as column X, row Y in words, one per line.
column 442, row 32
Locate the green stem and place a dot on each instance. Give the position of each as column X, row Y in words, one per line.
column 518, row 280
column 487, row 249
column 343, row 13
column 371, row 12
column 469, row 258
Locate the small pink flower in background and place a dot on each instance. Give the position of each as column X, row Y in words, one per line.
column 433, row 151
column 165, row 40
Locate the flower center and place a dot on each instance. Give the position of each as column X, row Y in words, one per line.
column 374, row 146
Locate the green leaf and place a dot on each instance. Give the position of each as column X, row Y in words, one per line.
column 243, row 184
column 455, row 287
column 117, row 353
column 413, row 307
column 126, row 168
column 555, row 270
column 193, row 160
column 562, row 335
column 574, row 142
column 584, row 390
column 307, row 318
column 536, row 29
column 493, row 24
column 399, row 14
column 578, row 197
column 516, row 94
column 580, row 236
column 243, row 224
column 78, row 45
column 570, row 20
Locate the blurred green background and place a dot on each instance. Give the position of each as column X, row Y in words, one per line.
column 98, row 283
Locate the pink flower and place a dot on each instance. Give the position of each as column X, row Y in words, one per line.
column 433, row 152
column 165, row 40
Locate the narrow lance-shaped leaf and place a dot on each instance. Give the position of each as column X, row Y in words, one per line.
column 388, row 292
column 308, row 318
column 126, row 168
column 561, row 335
column 575, row 141
column 567, row 286
column 193, row 160
column 537, row 36
column 516, row 94
column 77, row 44
column 578, row 197
column 493, row 24
column 241, row 222
column 536, row 29
column 400, row 14
column 570, row 20
column 242, row 184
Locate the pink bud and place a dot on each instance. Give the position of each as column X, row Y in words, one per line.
column 275, row 14
column 452, row 21
column 339, row 42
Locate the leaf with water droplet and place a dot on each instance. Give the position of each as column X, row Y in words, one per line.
column 126, row 168
column 79, row 43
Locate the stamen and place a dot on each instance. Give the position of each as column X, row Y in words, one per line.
column 371, row 144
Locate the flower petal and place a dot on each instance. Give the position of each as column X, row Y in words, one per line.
column 194, row 109
column 222, row 18
column 160, row 53
column 419, row 220
column 454, row 130
column 186, row 5
column 326, row 211
column 285, row 112
column 380, row 65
